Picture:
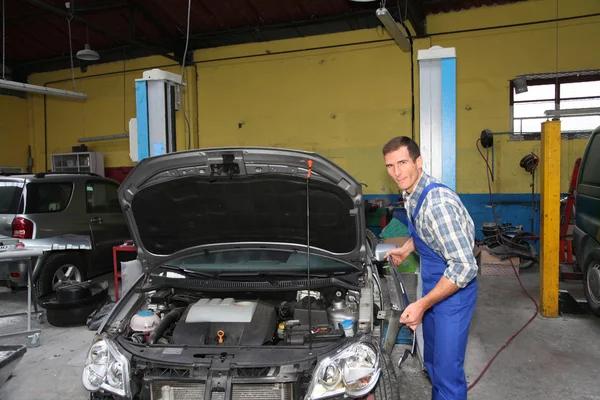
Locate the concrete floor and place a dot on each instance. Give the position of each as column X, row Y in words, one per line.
column 551, row 359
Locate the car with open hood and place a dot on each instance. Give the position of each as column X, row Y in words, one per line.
column 259, row 282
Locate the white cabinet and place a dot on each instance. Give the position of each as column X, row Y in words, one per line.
column 78, row 162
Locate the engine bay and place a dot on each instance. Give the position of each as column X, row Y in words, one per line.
column 288, row 318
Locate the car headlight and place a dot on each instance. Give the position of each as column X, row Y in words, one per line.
column 106, row 368
column 354, row 372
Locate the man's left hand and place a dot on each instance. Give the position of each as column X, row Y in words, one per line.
column 413, row 315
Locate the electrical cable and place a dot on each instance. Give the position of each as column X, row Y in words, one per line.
column 412, row 66
column 472, row 385
column 3, row 42
column 187, row 42
column 486, row 161
column 71, row 51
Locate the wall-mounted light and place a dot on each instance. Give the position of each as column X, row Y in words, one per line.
column 25, row 87
column 520, row 83
column 394, row 30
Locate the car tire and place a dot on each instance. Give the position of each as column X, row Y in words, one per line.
column 387, row 387
column 591, row 281
column 71, row 262
column 372, row 239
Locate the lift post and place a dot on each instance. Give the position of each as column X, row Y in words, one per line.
column 550, row 218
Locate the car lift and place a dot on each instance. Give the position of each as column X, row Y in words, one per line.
column 566, row 239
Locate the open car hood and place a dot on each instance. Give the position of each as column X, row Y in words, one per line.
column 180, row 203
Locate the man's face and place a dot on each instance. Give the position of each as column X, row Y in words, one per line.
column 403, row 170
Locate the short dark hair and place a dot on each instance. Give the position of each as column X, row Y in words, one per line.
column 403, row 141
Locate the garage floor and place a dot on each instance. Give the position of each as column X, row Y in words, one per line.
column 551, row 359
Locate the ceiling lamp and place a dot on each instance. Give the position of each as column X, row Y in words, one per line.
column 88, row 54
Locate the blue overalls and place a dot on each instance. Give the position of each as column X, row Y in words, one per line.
column 446, row 324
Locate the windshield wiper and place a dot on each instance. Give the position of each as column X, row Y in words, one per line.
column 242, row 274
column 189, row 271
column 270, row 274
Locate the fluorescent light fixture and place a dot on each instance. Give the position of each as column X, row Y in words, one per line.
column 25, row 87
column 386, row 19
column 573, row 112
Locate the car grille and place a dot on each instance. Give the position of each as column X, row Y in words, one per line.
column 195, row 390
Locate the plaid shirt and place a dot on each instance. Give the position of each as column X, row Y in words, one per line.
column 444, row 224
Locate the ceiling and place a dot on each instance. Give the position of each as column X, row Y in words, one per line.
column 37, row 31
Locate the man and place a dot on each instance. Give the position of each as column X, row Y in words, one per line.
column 442, row 232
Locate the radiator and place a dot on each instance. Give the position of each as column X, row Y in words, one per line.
column 195, row 391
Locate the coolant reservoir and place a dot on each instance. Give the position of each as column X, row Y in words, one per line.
column 144, row 321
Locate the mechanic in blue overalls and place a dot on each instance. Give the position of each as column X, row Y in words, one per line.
column 443, row 234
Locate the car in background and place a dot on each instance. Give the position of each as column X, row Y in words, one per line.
column 34, row 208
column 246, row 294
column 586, row 234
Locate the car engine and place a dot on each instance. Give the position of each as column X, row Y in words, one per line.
column 191, row 318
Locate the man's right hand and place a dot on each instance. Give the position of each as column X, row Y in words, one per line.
column 402, row 253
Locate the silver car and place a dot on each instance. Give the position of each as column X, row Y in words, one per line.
column 259, row 283
column 36, row 208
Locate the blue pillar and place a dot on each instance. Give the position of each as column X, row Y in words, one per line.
column 143, row 130
column 437, row 70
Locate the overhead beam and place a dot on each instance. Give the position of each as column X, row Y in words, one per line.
column 134, row 42
column 415, row 15
column 141, row 8
column 23, row 70
column 86, row 8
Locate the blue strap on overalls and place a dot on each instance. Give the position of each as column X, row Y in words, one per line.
column 446, row 324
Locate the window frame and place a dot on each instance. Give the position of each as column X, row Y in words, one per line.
column 87, row 204
column 557, row 82
column 27, row 193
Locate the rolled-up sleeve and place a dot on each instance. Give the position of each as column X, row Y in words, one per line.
column 453, row 230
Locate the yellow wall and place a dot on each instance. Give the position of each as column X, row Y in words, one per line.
column 487, row 60
column 343, row 102
column 13, row 132
column 107, row 110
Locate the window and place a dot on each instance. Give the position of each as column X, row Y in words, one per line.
column 48, row 197
column 102, row 197
column 566, row 93
column 591, row 168
column 10, row 196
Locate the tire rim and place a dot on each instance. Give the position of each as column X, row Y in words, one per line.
column 593, row 283
column 64, row 274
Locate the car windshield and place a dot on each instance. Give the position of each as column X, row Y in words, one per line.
column 10, row 196
column 260, row 260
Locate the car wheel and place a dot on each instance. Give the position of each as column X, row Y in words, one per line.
column 591, row 281
column 372, row 239
column 58, row 269
column 387, row 387
column 527, row 264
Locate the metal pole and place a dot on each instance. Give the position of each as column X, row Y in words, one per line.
column 550, row 218
column 29, row 294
